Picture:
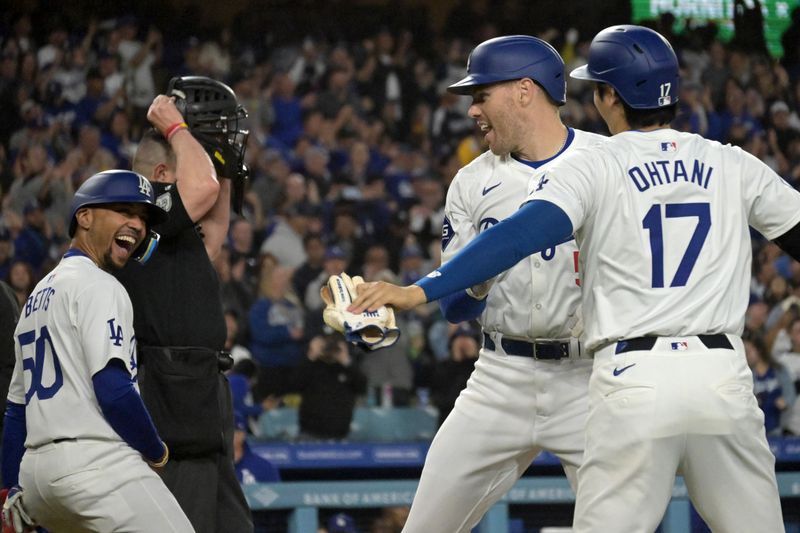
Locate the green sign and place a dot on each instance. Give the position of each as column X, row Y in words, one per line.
column 777, row 16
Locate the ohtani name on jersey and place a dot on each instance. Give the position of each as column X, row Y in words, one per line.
column 664, row 172
column 40, row 300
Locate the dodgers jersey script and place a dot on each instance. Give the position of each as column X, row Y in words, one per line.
column 536, row 297
column 53, row 373
column 662, row 254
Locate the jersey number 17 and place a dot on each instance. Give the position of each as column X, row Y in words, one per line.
column 654, row 224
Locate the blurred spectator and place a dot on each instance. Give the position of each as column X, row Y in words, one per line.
column 238, row 293
column 412, row 264
column 308, row 67
column 313, row 265
column 450, row 376
column 95, row 106
column 781, row 135
column 90, row 158
column 21, row 279
column 335, row 263
column 287, row 110
column 376, row 262
column 390, row 376
column 276, row 331
column 243, row 379
column 756, row 319
column 772, row 385
column 6, row 252
column 243, row 250
column 113, row 77
column 251, row 468
column 138, row 60
column 391, row 520
column 32, row 244
column 31, row 168
column 347, row 234
column 427, row 216
column 232, row 346
column 449, row 124
column 329, row 385
column 285, row 243
column 117, row 139
column 789, row 357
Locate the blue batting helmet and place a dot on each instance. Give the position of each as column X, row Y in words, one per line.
column 120, row 186
column 515, row 57
column 637, row 62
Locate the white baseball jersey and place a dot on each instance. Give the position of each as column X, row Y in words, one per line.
column 512, row 407
column 661, row 219
column 77, row 319
column 535, row 298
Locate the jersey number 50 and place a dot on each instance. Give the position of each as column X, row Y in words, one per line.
column 652, row 222
column 36, row 364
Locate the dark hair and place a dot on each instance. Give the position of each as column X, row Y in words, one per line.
column 153, row 149
column 642, row 118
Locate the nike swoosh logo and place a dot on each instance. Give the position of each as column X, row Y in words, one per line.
column 618, row 371
column 486, row 190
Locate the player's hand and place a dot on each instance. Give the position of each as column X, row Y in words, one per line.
column 163, row 113
column 373, row 295
column 15, row 518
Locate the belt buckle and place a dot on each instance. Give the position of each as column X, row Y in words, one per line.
column 562, row 349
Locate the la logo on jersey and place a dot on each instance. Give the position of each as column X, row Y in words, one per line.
column 670, row 146
column 680, row 346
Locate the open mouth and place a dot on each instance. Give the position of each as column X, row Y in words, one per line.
column 126, row 242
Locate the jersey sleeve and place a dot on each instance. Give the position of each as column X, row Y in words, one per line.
column 457, row 228
column 16, row 388
column 104, row 318
column 570, row 184
column 773, row 206
column 170, row 201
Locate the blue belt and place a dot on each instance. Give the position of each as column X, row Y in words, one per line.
column 644, row 344
column 547, row 350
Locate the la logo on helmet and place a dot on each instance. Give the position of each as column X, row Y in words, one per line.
column 144, row 187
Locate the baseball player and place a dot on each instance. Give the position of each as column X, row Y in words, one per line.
column 529, row 388
column 661, row 218
column 90, row 447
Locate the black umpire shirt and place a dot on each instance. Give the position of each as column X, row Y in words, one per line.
column 175, row 295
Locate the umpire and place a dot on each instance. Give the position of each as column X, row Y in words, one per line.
column 178, row 316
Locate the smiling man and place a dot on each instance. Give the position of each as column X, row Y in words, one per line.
column 528, row 392
column 79, row 446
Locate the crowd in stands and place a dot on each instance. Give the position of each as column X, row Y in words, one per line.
column 352, row 147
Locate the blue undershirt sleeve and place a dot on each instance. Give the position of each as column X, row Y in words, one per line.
column 460, row 307
column 14, row 435
column 124, row 410
column 537, row 225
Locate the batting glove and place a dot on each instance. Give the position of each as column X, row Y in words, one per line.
column 15, row 517
column 370, row 329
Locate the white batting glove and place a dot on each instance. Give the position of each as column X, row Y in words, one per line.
column 370, row 329
column 14, row 514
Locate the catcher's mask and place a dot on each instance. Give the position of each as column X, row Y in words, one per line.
column 216, row 120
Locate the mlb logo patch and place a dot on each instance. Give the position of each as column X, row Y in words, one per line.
column 670, row 146
column 680, row 346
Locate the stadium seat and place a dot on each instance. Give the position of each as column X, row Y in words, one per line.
column 278, row 424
